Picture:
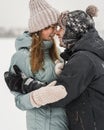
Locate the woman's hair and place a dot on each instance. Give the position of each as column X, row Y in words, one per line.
column 36, row 53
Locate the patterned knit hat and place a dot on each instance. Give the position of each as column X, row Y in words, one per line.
column 76, row 23
column 41, row 15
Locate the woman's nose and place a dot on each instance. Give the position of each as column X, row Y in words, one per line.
column 57, row 33
column 60, row 33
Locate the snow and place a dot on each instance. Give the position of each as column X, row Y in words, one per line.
column 11, row 118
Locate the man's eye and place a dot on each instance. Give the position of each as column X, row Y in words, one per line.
column 58, row 28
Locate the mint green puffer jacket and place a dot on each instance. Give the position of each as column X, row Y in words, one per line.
column 44, row 118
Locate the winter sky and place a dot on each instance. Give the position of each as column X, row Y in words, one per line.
column 15, row 13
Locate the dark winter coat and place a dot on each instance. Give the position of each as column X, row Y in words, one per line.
column 83, row 78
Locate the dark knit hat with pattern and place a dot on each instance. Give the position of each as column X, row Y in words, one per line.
column 77, row 23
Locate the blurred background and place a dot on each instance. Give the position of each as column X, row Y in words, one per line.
column 14, row 15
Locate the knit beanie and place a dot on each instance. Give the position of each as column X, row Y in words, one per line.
column 77, row 23
column 41, row 15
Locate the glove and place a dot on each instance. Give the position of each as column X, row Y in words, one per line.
column 30, row 84
column 58, row 67
column 48, row 94
column 12, row 80
column 20, row 83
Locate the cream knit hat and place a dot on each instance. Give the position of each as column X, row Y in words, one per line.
column 41, row 15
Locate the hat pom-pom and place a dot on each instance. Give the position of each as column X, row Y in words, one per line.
column 92, row 10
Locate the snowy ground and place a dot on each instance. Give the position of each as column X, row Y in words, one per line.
column 11, row 118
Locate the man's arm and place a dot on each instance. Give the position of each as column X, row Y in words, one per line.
column 41, row 94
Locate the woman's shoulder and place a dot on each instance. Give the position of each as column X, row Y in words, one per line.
column 21, row 59
column 21, row 54
column 23, row 41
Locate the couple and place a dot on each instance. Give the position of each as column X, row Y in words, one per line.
column 75, row 101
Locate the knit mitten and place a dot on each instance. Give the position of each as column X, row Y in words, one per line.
column 58, row 67
column 48, row 94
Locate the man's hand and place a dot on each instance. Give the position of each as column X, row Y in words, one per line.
column 48, row 94
column 58, row 67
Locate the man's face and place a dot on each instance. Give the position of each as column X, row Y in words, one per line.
column 60, row 33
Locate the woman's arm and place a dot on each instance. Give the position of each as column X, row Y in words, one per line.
column 39, row 97
column 18, row 82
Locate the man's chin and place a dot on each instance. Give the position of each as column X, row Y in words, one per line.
column 62, row 45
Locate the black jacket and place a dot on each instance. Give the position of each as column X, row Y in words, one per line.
column 83, row 78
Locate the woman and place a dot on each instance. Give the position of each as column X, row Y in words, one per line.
column 36, row 55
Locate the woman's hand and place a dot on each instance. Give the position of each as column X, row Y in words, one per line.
column 58, row 67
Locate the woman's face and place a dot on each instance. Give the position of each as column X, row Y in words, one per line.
column 48, row 32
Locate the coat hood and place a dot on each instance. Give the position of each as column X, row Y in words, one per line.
column 23, row 41
column 92, row 42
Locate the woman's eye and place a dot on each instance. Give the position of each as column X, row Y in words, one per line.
column 52, row 26
column 47, row 27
